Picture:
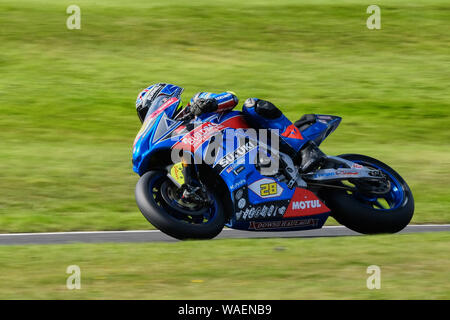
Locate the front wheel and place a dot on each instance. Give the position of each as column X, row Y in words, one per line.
column 157, row 200
column 370, row 213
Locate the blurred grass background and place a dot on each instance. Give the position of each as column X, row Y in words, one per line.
column 413, row 266
column 67, row 118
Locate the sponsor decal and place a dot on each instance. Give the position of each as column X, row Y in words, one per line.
column 271, row 210
column 236, row 154
column 346, row 173
column 238, row 184
column 305, row 203
column 325, row 174
column 292, row 132
column 194, row 139
column 266, row 188
column 260, row 212
column 235, row 168
column 281, row 224
column 177, row 173
column 238, row 170
column 239, row 194
column 241, row 203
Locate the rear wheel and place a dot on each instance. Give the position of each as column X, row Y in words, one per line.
column 156, row 197
column 373, row 207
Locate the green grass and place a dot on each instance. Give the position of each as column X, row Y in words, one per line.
column 67, row 118
column 413, row 266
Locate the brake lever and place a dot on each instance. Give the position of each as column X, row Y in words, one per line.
column 187, row 116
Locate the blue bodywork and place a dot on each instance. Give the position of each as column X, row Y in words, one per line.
column 235, row 164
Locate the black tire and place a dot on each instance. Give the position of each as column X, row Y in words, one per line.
column 167, row 223
column 360, row 217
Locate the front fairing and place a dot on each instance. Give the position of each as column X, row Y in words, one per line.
column 156, row 126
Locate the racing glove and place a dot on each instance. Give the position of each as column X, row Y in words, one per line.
column 201, row 105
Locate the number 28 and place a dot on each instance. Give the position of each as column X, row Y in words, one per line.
column 268, row 189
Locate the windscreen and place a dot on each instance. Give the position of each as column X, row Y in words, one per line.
column 158, row 102
column 169, row 91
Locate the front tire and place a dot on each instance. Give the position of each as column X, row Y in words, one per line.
column 363, row 213
column 151, row 199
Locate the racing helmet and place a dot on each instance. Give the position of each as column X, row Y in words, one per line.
column 154, row 96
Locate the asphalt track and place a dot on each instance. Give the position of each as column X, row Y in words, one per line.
column 158, row 236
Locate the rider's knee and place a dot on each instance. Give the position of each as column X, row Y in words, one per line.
column 264, row 108
column 264, row 114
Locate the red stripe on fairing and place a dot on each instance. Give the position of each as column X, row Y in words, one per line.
column 236, row 122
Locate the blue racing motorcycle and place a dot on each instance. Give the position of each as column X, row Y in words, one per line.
column 200, row 174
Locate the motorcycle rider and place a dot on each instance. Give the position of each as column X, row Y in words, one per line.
column 261, row 114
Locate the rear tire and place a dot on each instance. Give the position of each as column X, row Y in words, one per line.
column 353, row 213
column 161, row 218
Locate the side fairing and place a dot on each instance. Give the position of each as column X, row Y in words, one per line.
column 259, row 202
column 264, row 203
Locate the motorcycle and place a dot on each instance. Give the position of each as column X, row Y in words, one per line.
column 224, row 177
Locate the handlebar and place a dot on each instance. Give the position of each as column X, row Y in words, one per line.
column 185, row 114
